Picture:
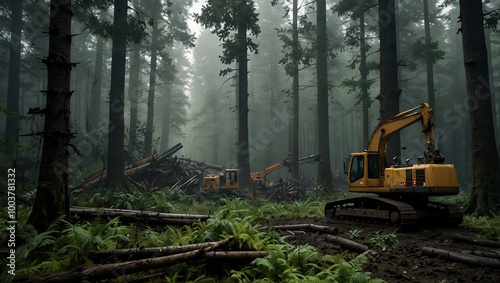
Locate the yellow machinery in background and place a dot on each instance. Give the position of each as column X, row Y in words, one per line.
column 229, row 180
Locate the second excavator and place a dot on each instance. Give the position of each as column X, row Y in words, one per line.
column 402, row 191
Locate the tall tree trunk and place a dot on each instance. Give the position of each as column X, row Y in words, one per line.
column 428, row 58
column 16, row 23
column 324, row 168
column 485, row 162
column 294, row 158
column 492, row 82
column 95, row 105
column 243, row 147
column 167, row 108
column 215, row 134
column 133, row 95
column 365, row 97
column 51, row 200
column 116, row 131
column 389, row 90
column 148, row 135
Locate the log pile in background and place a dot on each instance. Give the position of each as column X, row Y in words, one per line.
column 284, row 190
column 160, row 171
column 166, row 170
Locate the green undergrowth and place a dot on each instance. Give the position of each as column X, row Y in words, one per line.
column 489, row 227
column 68, row 245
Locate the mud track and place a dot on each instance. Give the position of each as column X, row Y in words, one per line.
column 405, row 263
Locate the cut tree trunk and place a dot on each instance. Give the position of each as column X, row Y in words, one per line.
column 310, row 227
column 134, row 216
column 348, row 244
column 235, row 255
column 148, row 252
column 479, row 242
column 484, row 254
column 115, row 270
column 464, row 258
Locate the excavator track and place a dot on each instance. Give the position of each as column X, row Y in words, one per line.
column 402, row 214
column 372, row 209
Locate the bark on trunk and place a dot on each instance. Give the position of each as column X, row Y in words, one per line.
column 95, row 104
column 294, row 158
column 133, row 95
column 115, row 270
column 167, row 108
column 243, row 146
column 116, row 130
column 464, row 258
column 16, row 23
column 148, row 135
column 485, row 162
column 389, row 90
column 365, row 97
column 486, row 243
column 429, row 63
column 484, row 254
column 348, row 244
column 148, row 252
column 51, row 199
column 134, row 216
column 324, row 167
column 310, row 227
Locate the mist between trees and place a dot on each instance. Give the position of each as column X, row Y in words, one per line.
column 254, row 83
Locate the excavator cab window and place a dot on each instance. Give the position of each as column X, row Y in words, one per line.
column 232, row 176
column 357, row 168
column 373, row 166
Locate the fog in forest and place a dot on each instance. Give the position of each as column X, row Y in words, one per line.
column 195, row 105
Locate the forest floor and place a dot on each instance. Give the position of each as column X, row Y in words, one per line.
column 404, row 263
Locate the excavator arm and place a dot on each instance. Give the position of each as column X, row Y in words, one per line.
column 259, row 177
column 385, row 130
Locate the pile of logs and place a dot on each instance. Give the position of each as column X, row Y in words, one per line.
column 285, row 190
column 166, row 170
column 160, row 171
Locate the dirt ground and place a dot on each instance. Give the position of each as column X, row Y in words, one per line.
column 405, row 263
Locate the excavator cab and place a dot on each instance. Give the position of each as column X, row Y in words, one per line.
column 363, row 170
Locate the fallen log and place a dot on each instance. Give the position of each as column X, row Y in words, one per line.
column 484, row 254
column 348, row 244
column 115, row 270
column 149, row 251
column 479, row 242
column 235, row 255
column 127, row 215
column 310, row 227
column 464, row 258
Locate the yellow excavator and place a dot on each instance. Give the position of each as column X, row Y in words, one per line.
column 229, row 180
column 402, row 190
